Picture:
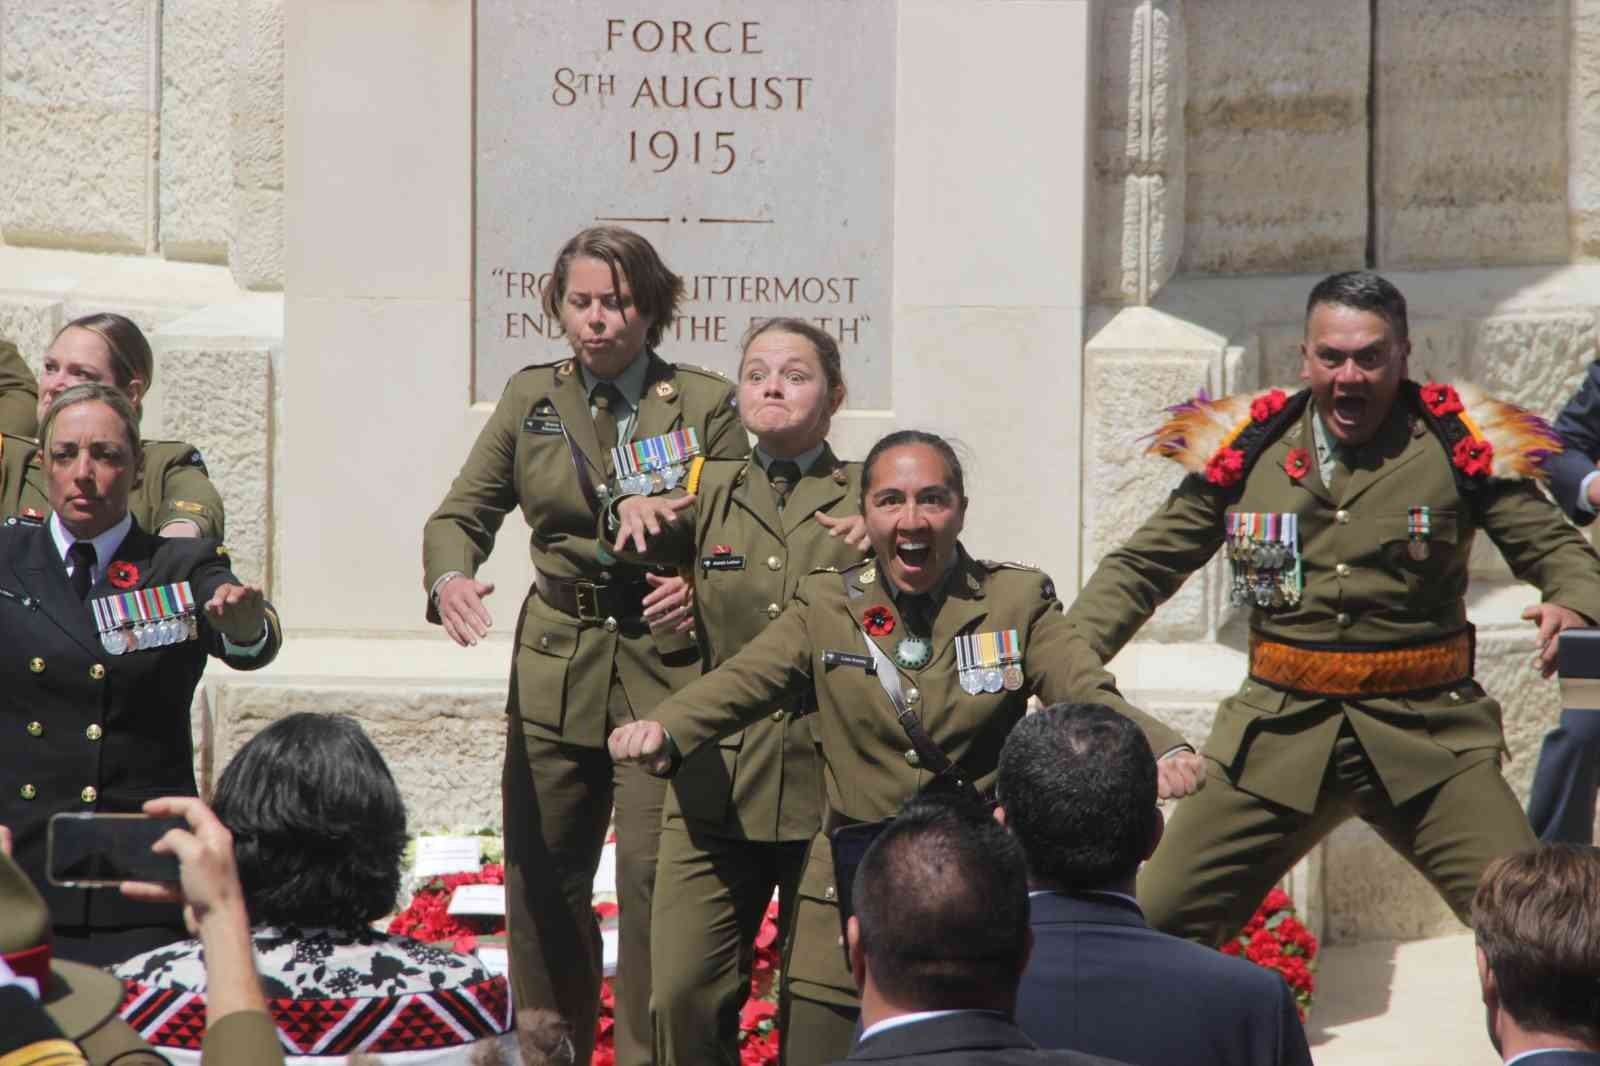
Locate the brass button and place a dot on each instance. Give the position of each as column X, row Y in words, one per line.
column 605, row 575
column 611, row 624
column 36, row 729
column 27, row 792
column 911, row 757
column 828, row 893
column 777, row 716
column 913, row 695
column 693, row 636
column 774, row 563
column 88, row 795
column 1343, row 569
column 36, row 664
column 1343, row 619
column 1455, row 697
column 773, row 610
column 97, row 672
column 544, row 643
column 94, row 732
column 1342, row 517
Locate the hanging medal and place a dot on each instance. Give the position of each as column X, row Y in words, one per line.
column 1418, row 527
column 1011, row 656
column 967, row 667
column 655, row 464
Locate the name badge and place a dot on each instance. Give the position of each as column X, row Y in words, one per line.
column 535, row 424
column 846, row 658
column 722, row 562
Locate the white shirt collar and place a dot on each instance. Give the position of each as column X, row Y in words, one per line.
column 105, row 545
column 915, row 1016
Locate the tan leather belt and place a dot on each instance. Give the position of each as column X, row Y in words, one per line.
column 1321, row 670
column 592, row 602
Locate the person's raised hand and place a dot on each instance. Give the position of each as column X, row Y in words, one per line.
column 853, row 528
column 1180, row 773
column 1551, row 618
column 208, row 880
column 642, row 517
column 238, row 612
column 466, row 620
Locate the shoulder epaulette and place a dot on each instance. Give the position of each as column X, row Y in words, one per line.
column 703, row 371
column 825, row 570
column 18, row 438
column 1221, row 439
column 1484, row 437
column 1003, row 564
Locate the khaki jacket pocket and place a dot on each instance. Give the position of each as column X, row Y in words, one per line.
column 1235, row 716
column 1461, row 718
column 543, row 660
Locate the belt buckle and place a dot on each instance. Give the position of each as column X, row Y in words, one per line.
column 591, row 612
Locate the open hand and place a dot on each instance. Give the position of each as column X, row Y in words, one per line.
column 669, row 605
column 640, row 517
column 1551, row 618
column 238, row 612
column 461, row 609
column 853, row 528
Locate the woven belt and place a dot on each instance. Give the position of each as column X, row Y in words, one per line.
column 591, row 602
column 1355, row 672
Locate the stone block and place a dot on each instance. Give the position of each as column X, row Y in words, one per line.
column 1530, row 706
column 227, row 397
column 1583, row 130
column 1537, row 361
column 77, row 121
column 443, row 742
column 1138, row 167
column 1371, row 893
column 1471, row 133
column 30, row 321
column 196, row 115
column 1140, row 363
column 1276, row 137
column 256, row 144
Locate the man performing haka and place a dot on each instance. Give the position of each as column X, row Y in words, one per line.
column 1347, row 512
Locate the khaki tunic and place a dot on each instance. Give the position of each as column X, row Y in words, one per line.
column 521, row 459
column 174, row 486
column 1361, row 586
column 867, row 769
column 762, row 782
column 19, row 394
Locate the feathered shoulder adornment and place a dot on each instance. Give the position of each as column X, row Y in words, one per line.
column 1485, row 437
column 1221, row 439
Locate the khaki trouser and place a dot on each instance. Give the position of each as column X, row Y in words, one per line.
column 711, row 896
column 1225, row 848
column 558, row 799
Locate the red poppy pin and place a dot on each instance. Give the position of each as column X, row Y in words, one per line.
column 722, row 549
column 1266, row 405
column 122, row 575
column 1226, row 467
column 1473, row 457
column 1297, row 463
column 878, row 620
column 1440, row 399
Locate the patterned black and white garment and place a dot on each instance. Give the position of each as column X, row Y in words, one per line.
column 331, row 993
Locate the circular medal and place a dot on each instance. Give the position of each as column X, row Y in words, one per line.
column 114, row 641
column 170, row 631
column 971, row 683
column 913, row 653
column 140, row 637
column 1418, row 550
column 993, row 681
column 1011, row 677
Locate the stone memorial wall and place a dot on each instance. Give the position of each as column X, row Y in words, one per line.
column 756, row 152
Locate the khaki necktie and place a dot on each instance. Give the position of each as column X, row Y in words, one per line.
column 606, row 400
column 783, row 473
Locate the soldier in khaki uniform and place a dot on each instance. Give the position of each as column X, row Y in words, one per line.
column 1349, row 512
column 173, row 495
column 962, row 643
column 740, row 813
column 19, row 394
column 586, row 661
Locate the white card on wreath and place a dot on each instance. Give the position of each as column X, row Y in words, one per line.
column 478, row 899
column 447, row 855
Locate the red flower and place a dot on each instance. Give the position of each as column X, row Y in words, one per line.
column 878, row 620
column 1297, row 463
column 1473, row 457
column 1226, row 467
column 1264, row 407
column 1440, row 399
column 122, row 575
column 1277, row 900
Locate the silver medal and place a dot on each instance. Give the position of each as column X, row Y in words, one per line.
column 114, row 641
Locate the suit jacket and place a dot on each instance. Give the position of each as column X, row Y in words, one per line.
column 1361, row 587
column 869, row 766
column 1562, row 1057
column 174, row 485
column 1100, row 980
column 764, row 781
column 1579, row 427
column 563, row 666
column 969, row 1038
column 87, row 730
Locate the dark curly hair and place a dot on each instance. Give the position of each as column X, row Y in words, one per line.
column 318, row 824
